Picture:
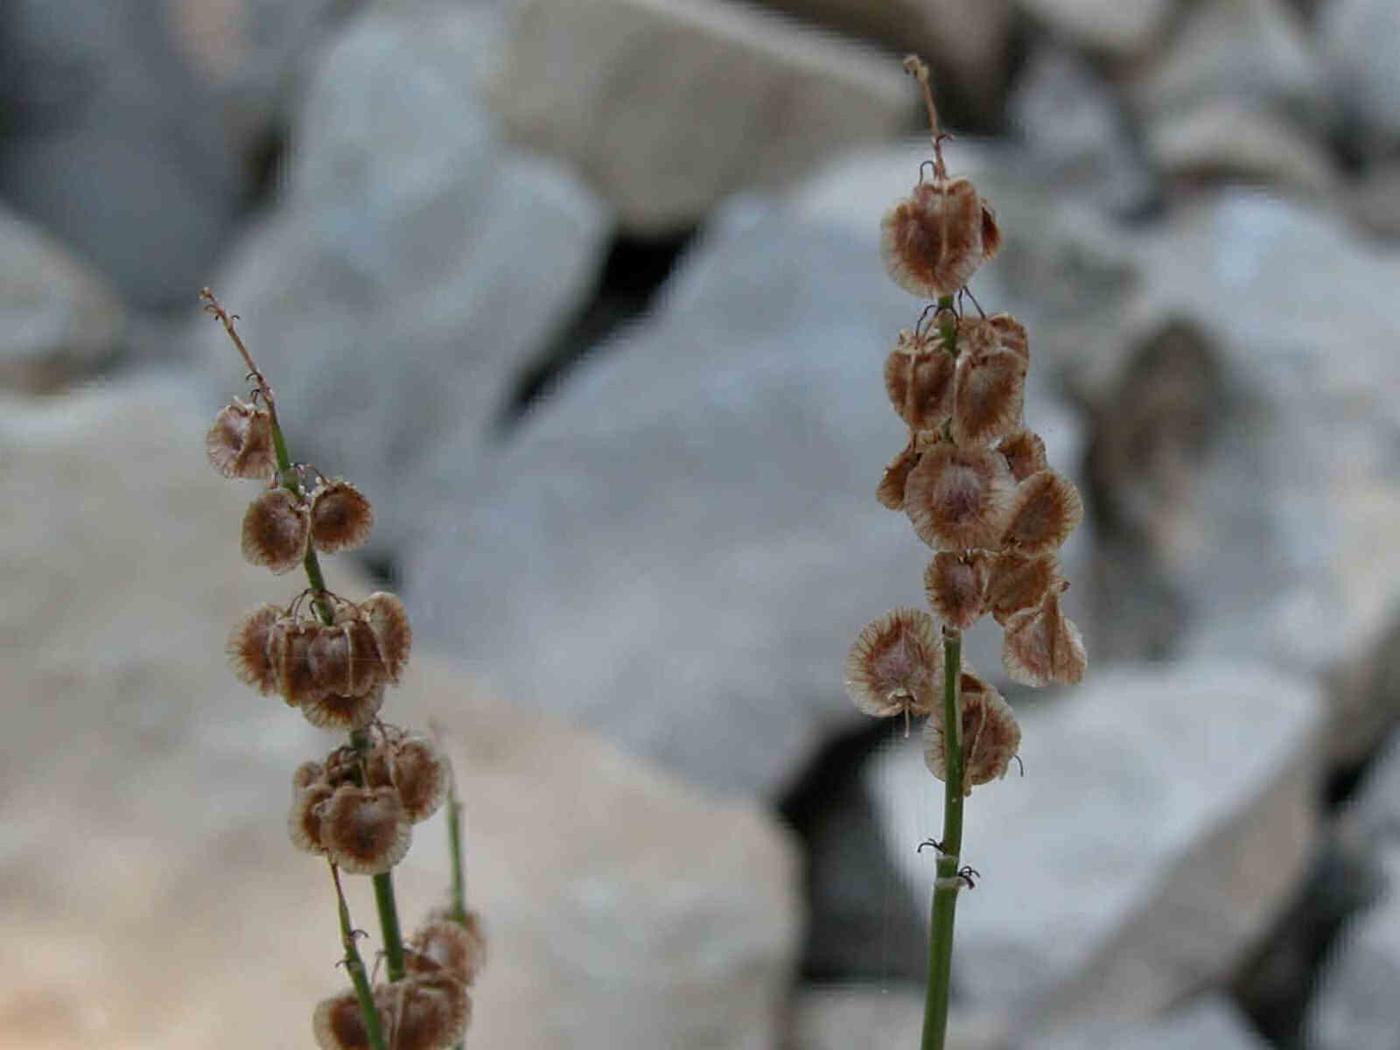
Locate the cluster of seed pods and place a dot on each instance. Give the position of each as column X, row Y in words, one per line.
column 976, row 487
column 332, row 660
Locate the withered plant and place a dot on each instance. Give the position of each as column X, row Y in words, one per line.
column 976, row 487
column 332, row 659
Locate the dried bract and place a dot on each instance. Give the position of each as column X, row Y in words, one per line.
column 307, row 774
column 290, row 649
column 956, row 584
column 1046, row 509
column 932, row 241
column 919, row 380
column 957, row 498
column 1019, row 582
column 990, row 735
column 1042, row 646
column 388, row 620
column 427, row 1011
column 304, row 818
column 341, row 518
column 250, row 648
column 239, row 444
column 348, row 711
column 419, row 775
column 275, row 530
column 365, row 830
column 987, row 399
column 337, row 1024
column 1024, row 452
column 894, row 663
column 458, row 948
column 890, row 491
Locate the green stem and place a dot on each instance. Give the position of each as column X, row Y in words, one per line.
column 355, row 966
column 454, row 843
column 947, row 884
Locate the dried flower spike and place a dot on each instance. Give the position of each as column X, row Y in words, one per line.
column 250, row 649
column 364, row 829
column 1042, row 646
column 990, row 735
column 957, row 498
column 388, row 620
column 894, row 663
column 341, row 518
column 239, row 444
column 956, row 585
column 934, row 240
column 275, row 530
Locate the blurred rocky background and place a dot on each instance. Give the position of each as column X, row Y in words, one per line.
column 586, row 295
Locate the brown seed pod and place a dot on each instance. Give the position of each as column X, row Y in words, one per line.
column 919, row 380
column 990, row 735
column 275, row 530
column 429, row 1011
column 304, row 818
column 342, row 711
column 894, row 663
column 338, row 1024
column 1045, row 510
column 1042, row 646
column 1018, row 582
column 341, row 518
column 987, row 397
column 932, row 240
column 364, row 829
column 289, row 650
column 388, row 620
column 239, row 444
column 957, row 498
column 1024, row 452
column 250, row 648
column 956, row 585
column 419, row 775
column 442, row 943
column 890, row 491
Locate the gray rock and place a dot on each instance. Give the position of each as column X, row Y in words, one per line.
column 668, row 105
column 1075, row 128
column 145, row 855
column 58, row 319
column 110, row 143
column 1117, row 30
column 680, row 547
column 1212, row 1022
column 1223, row 141
column 1252, row 53
column 1357, row 45
column 412, row 268
column 1164, row 817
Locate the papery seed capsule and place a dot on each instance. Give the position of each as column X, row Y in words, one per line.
column 304, row 819
column 893, row 664
column 239, row 444
column 250, row 648
column 956, row 584
column 307, row 774
column 275, row 529
column 1018, row 582
column 289, row 649
column 990, row 735
column 890, row 491
column 431, row 1011
column 1024, row 452
column 442, row 943
column 341, row 518
column 338, row 1024
column 932, row 240
column 1042, row 646
column 344, row 711
column 1045, row 510
column 919, row 380
column 957, row 498
column 364, row 829
column 987, row 397
column 388, row 619
column 419, row 774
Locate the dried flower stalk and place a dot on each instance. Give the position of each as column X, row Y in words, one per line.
column 974, row 483
column 333, row 659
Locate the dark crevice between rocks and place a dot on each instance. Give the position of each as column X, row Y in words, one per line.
column 633, row 271
column 861, row 925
